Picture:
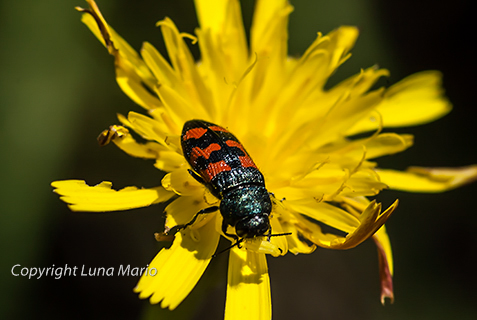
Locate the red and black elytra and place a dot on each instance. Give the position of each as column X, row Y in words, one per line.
column 220, row 162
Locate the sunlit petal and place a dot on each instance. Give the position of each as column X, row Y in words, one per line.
column 418, row 179
column 248, row 286
column 415, row 100
column 100, row 198
column 179, row 267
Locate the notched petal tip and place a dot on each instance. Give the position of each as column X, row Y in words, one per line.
column 102, row 198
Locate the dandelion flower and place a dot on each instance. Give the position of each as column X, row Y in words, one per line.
column 303, row 138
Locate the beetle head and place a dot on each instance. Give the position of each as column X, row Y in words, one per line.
column 248, row 209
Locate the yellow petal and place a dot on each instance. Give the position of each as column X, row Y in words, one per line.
column 166, row 159
column 100, row 198
column 281, row 242
column 248, row 286
column 147, row 127
column 159, row 66
column 375, row 146
column 95, row 21
column 211, row 14
column 179, row 267
column 360, row 83
column 325, row 213
column 183, row 62
column 303, row 86
column 180, row 107
column 288, row 224
column 362, row 183
column 388, row 143
column 269, row 27
column 415, row 100
column 296, row 244
column 332, row 50
column 269, row 46
column 182, row 183
column 132, row 85
column 419, row 179
column 341, row 117
column 169, row 161
column 319, row 131
column 222, row 38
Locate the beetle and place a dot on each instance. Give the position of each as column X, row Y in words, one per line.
column 221, row 163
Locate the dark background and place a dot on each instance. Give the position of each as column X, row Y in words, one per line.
column 58, row 93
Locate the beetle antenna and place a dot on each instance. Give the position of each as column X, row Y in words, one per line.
column 241, row 240
column 278, row 235
column 236, row 244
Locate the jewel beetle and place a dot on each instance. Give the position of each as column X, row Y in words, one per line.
column 220, row 162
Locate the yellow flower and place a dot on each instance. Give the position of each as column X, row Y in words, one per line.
column 302, row 137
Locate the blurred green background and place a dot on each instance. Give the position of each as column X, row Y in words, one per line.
column 58, row 92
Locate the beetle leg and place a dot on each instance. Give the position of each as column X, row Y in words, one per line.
column 196, row 176
column 269, row 235
column 191, row 222
column 236, row 238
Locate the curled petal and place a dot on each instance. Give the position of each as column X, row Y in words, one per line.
column 101, row 198
column 179, row 267
column 370, row 221
column 248, row 286
column 419, row 179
